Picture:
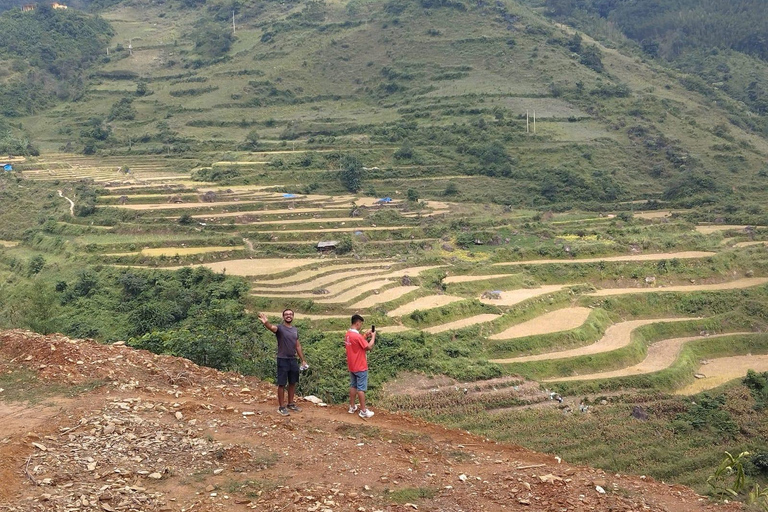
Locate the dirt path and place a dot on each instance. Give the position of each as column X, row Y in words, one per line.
column 721, row 370
column 516, row 296
column 660, row 355
column 554, row 321
column 428, row 302
column 616, row 336
column 629, row 257
column 460, row 324
column 729, row 285
column 71, row 203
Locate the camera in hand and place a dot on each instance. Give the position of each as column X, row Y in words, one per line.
column 373, row 328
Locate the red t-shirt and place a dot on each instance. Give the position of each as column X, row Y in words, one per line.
column 356, row 346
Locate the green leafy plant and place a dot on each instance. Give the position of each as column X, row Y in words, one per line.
column 729, row 478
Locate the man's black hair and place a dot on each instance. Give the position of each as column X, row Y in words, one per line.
column 287, row 309
column 356, row 318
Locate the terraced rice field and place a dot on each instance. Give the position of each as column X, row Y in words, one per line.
column 660, row 355
column 714, row 228
column 260, row 267
column 616, row 336
column 181, row 251
column 510, row 298
column 728, row 285
column 429, row 302
column 554, row 321
column 385, row 296
column 473, row 279
column 721, row 370
column 460, row 324
column 322, row 268
column 629, row 257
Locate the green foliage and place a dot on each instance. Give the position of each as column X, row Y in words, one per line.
column 122, row 110
column 757, row 383
column 212, row 40
column 48, row 44
column 729, row 478
column 707, row 413
column 351, row 174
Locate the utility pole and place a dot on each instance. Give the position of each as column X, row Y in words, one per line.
column 526, row 122
column 534, row 122
column 233, row 21
column 130, row 46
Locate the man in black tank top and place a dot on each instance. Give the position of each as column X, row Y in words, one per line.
column 288, row 347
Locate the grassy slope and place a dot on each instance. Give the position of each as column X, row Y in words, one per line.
column 452, row 69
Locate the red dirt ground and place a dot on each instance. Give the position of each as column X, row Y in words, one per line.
column 161, row 434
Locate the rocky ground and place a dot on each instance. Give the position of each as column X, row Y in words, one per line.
column 110, row 428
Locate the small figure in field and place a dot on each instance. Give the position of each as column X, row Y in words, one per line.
column 357, row 346
column 288, row 347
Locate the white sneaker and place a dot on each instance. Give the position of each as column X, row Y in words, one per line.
column 366, row 414
column 352, row 409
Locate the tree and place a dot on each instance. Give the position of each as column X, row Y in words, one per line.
column 413, row 195
column 351, row 174
column 252, row 140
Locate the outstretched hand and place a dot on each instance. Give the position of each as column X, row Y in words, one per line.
column 263, row 318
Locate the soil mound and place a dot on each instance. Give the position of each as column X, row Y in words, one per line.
column 110, row 428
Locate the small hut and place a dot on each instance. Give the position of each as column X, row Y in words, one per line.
column 327, row 246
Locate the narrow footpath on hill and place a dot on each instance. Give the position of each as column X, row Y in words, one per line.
column 106, row 427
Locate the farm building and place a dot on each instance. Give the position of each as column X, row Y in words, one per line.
column 327, row 246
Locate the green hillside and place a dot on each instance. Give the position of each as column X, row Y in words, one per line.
column 417, row 89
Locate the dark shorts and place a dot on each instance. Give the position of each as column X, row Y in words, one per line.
column 359, row 380
column 287, row 371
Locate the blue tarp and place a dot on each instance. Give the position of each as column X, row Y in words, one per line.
column 385, row 200
column 7, row 167
column 289, row 196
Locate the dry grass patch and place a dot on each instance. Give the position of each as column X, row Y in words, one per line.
column 554, row 321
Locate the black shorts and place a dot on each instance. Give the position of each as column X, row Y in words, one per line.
column 287, row 371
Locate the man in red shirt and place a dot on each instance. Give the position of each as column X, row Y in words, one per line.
column 357, row 345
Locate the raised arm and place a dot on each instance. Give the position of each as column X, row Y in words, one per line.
column 265, row 322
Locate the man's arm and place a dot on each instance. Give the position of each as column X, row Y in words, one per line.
column 300, row 352
column 265, row 322
column 370, row 342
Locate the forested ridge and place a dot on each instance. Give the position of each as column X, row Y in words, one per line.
column 47, row 51
column 702, row 37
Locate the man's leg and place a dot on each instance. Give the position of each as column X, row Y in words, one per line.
column 352, row 395
column 281, row 396
column 291, row 392
column 361, row 397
